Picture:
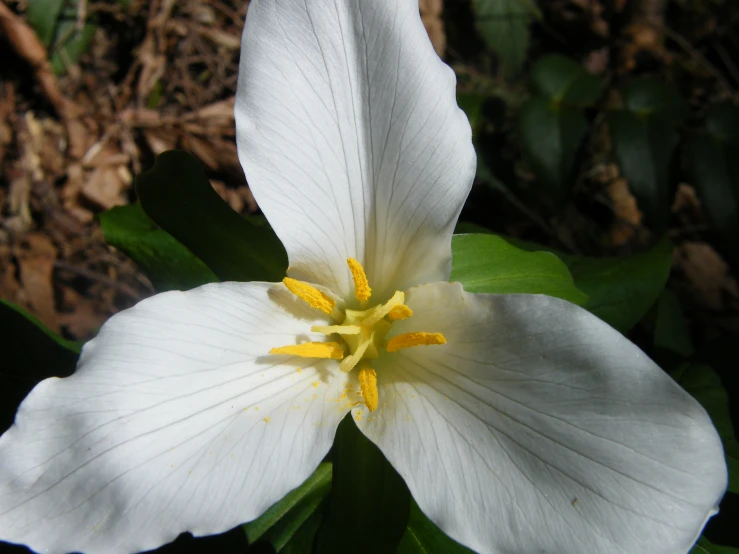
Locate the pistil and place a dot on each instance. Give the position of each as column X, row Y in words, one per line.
column 362, row 332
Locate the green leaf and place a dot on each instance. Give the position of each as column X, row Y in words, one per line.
column 722, row 121
column 31, row 352
column 504, row 26
column 471, row 104
column 704, row 546
column 714, row 168
column 564, row 81
column 302, row 541
column 177, row 195
column 284, row 522
column 307, row 495
column 467, row 227
column 704, row 384
column 620, row 290
column 423, row 537
column 369, row 505
column 167, row 263
column 70, row 44
column 713, row 164
column 647, row 96
column 487, row 263
column 644, row 137
column 551, row 136
column 42, row 15
column 644, row 145
column 671, row 331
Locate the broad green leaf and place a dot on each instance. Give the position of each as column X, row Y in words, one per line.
column 369, row 505
column 471, row 104
column 423, row 537
column 722, row 121
column 704, row 546
column 281, row 521
column 467, row 227
column 564, row 81
column 504, row 26
column 704, row 384
column 487, row 263
column 620, row 290
column 713, row 164
column 177, row 195
column 167, row 263
column 42, row 16
column 644, row 145
column 70, row 44
column 30, row 353
column 302, row 541
column 714, row 169
column 551, row 136
column 647, row 97
column 670, row 331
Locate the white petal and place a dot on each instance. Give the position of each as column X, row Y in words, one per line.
column 175, row 420
column 539, row 428
column 351, row 139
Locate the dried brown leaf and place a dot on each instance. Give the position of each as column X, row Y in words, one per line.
column 36, row 263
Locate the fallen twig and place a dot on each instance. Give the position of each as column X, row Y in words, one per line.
column 27, row 45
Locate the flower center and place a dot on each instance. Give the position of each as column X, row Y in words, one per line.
column 361, row 333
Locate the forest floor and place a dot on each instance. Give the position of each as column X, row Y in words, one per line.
column 79, row 121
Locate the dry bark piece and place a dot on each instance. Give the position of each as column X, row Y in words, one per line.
column 431, row 17
column 158, row 141
column 9, row 285
column 202, row 149
column 7, row 110
column 626, row 210
column 431, row 7
column 709, row 275
column 687, row 203
column 27, row 45
column 84, row 319
column 36, row 264
column 105, row 188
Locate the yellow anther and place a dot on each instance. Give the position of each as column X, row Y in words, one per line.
column 368, row 385
column 384, row 309
column 401, row 311
column 310, row 294
column 330, row 350
column 407, row 340
column 338, row 329
column 361, row 286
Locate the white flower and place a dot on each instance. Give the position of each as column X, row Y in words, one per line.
column 528, row 425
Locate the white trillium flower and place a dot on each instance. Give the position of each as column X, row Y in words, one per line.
column 521, row 423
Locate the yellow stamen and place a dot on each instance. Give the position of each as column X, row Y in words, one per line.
column 330, row 350
column 338, row 329
column 407, row 340
column 368, row 385
column 384, row 309
column 361, row 286
column 310, row 294
column 401, row 311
